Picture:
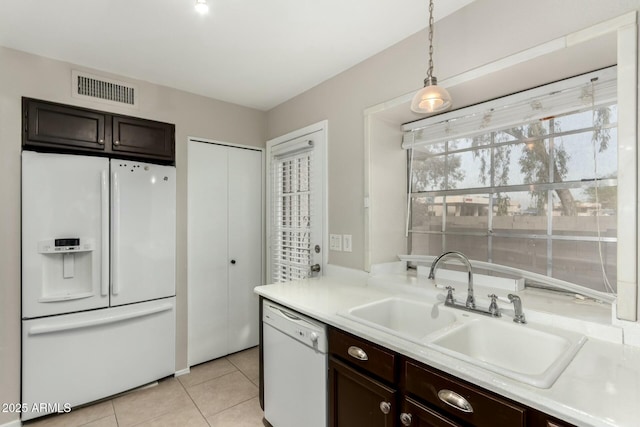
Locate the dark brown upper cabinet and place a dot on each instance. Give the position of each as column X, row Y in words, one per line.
column 47, row 124
column 57, row 127
column 143, row 137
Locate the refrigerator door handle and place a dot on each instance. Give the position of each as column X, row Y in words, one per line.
column 104, row 188
column 115, row 235
column 105, row 320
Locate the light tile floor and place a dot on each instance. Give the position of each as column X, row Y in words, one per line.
column 220, row 393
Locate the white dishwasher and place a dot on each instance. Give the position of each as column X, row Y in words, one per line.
column 295, row 368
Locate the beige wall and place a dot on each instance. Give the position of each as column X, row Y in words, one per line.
column 22, row 74
column 483, row 32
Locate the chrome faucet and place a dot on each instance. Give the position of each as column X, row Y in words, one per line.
column 471, row 302
column 470, row 305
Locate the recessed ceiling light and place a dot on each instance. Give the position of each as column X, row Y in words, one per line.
column 202, row 7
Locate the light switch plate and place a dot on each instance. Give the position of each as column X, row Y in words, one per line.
column 346, row 242
column 335, row 242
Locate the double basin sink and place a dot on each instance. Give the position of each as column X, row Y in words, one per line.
column 532, row 354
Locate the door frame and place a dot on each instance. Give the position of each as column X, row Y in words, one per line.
column 324, row 197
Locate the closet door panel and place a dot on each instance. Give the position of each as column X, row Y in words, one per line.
column 207, row 251
column 245, row 246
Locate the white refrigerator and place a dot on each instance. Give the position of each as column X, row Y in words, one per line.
column 98, row 278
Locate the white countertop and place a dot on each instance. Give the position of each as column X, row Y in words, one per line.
column 600, row 387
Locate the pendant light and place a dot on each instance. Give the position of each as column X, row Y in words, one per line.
column 202, row 7
column 431, row 98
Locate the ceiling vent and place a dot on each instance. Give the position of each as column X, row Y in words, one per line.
column 100, row 89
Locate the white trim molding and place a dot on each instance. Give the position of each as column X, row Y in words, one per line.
column 181, row 372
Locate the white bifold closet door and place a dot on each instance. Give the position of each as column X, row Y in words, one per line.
column 225, row 216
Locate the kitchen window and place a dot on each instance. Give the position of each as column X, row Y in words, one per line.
column 527, row 181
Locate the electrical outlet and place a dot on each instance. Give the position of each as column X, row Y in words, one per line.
column 346, row 242
column 335, row 242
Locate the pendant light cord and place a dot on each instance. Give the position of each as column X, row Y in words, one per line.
column 430, row 69
column 597, row 128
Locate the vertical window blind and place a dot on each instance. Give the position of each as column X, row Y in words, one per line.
column 291, row 171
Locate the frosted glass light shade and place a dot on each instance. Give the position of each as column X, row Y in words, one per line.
column 431, row 98
column 202, row 6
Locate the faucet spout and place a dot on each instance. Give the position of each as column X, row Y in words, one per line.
column 471, row 302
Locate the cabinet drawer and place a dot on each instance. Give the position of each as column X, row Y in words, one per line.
column 462, row 401
column 361, row 353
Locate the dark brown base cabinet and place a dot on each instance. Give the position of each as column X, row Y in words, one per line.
column 371, row 403
column 48, row 126
column 371, row 386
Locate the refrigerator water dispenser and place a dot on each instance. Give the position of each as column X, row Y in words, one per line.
column 67, row 268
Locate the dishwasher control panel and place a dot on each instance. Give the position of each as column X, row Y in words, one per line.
column 304, row 329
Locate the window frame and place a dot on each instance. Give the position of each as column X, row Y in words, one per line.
column 471, row 114
column 548, row 236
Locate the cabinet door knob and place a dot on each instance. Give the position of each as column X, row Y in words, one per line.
column 385, row 407
column 454, row 400
column 405, row 419
column 233, row 261
column 101, row 141
column 116, row 142
column 357, row 353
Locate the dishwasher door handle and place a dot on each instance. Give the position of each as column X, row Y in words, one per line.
column 287, row 314
column 283, row 313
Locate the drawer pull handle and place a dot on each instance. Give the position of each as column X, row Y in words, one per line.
column 405, row 419
column 454, row 400
column 357, row 353
column 385, row 407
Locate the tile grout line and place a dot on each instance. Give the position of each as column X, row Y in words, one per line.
column 237, row 367
column 157, row 416
column 233, row 406
column 225, row 409
column 249, row 379
column 194, row 403
column 115, row 415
